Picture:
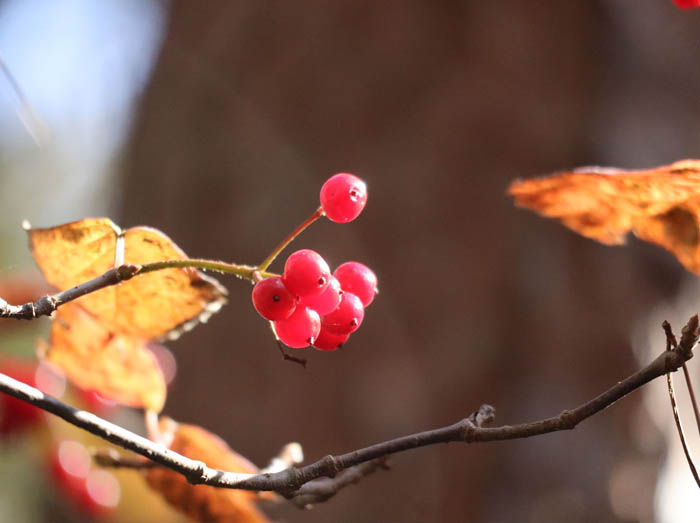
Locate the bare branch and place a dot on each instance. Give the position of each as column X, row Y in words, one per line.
column 46, row 305
column 110, row 458
column 321, row 490
column 671, row 343
column 679, row 427
column 291, row 482
column 693, row 400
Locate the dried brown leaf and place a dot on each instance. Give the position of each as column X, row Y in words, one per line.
column 660, row 205
column 202, row 502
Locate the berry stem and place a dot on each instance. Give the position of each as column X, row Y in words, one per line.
column 288, row 239
column 245, row 272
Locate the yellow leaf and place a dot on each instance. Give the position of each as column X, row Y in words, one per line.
column 116, row 366
column 155, row 305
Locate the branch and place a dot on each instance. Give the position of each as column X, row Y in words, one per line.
column 671, row 342
column 46, row 305
column 321, row 490
column 296, row 482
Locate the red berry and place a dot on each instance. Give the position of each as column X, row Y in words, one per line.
column 272, row 300
column 103, row 490
column 16, row 415
column 358, row 279
column 70, row 465
column 346, row 318
column 165, row 360
column 343, row 197
column 687, row 4
column 328, row 342
column 306, row 273
column 327, row 301
column 300, row 329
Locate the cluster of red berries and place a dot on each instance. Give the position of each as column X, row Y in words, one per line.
column 307, row 304
column 310, row 306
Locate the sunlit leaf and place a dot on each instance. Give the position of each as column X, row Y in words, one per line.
column 660, row 205
column 99, row 341
column 202, row 502
column 155, row 305
column 117, row 366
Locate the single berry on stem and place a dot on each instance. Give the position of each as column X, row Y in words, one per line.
column 346, row 318
column 329, row 342
column 327, row 301
column 306, row 273
column 272, row 299
column 299, row 330
column 358, row 279
column 343, row 197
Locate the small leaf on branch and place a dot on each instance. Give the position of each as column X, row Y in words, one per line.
column 118, row 367
column 100, row 339
column 160, row 304
column 202, row 502
column 660, row 205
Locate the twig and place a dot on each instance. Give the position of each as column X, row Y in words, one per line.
column 671, row 344
column 289, row 238
column 110, row 458
column 291, row 454
column 321, row 490
column 679, row 426
column 691, row 392
column 289, row 482
column 34, row 125
column 289, row 357
column 46, row 305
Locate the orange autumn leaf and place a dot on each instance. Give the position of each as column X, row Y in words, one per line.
column 99, row 340
column 154, row 305
column 117, row 366
column 203, row 502
column 660, row 205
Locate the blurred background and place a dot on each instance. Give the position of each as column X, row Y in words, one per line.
column 218, row 122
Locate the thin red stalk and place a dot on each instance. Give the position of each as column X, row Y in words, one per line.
column 289, row 238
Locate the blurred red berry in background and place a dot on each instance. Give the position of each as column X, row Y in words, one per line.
column 687, row 4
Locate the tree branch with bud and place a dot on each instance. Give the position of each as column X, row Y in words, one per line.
column 318, row 481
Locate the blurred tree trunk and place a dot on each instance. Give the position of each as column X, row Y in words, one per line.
column 438, row 105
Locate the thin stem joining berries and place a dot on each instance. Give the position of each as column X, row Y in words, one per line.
column 289, row 238
column 245, row 272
